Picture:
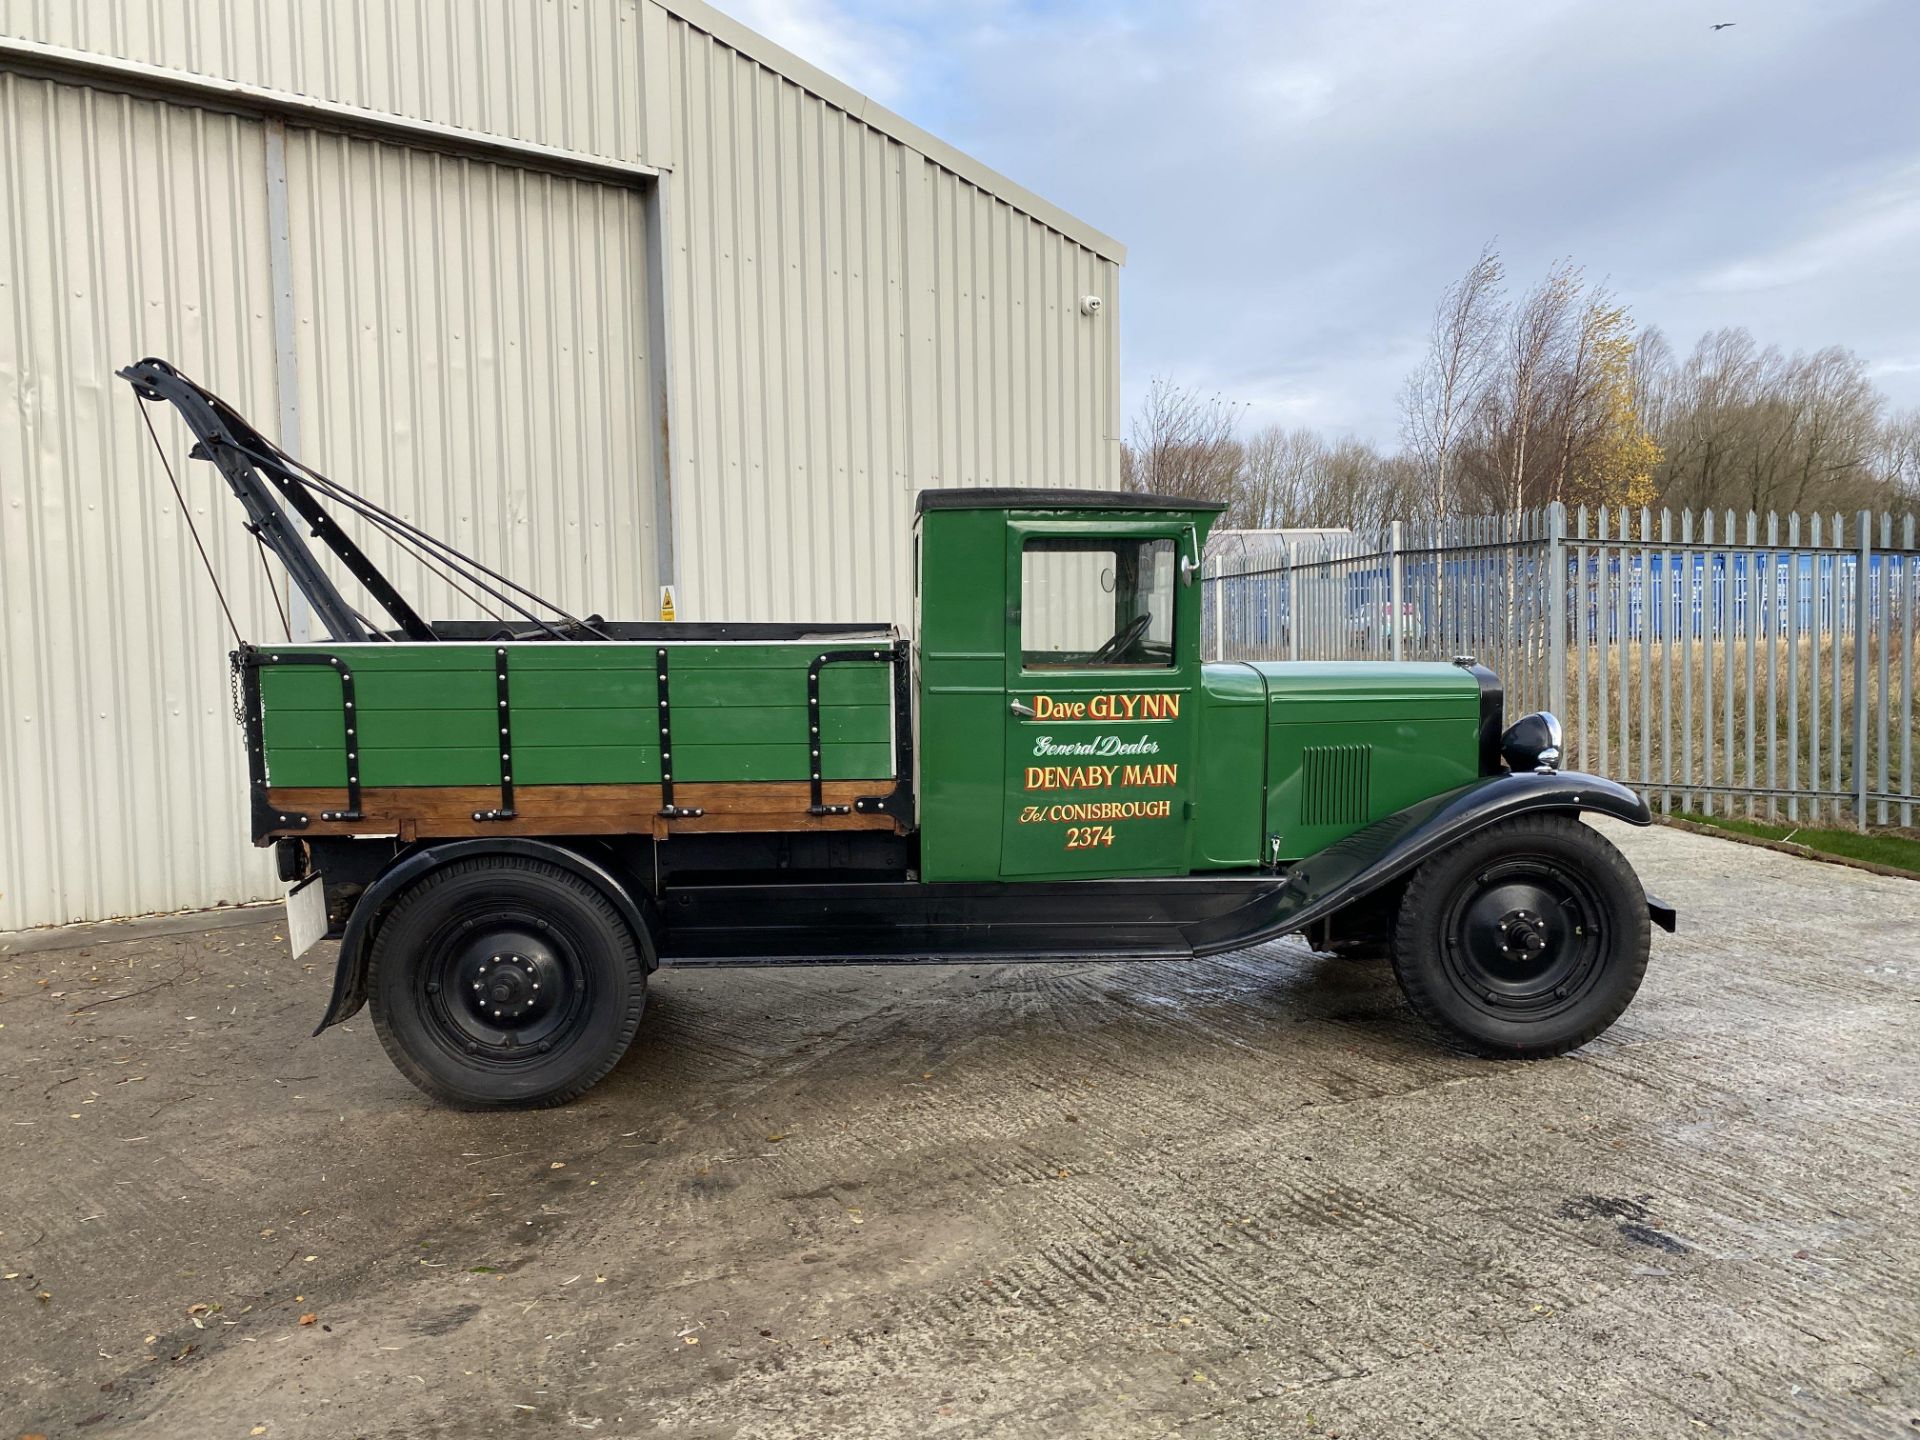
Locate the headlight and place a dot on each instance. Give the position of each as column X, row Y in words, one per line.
column 1532, row 742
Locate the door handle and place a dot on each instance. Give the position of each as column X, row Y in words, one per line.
column 1025, row 712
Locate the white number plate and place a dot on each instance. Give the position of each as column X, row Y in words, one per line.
column 306, row 915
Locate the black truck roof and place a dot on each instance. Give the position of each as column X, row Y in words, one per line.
column 1020, row 497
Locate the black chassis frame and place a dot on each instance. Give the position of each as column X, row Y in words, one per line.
column 815, row 917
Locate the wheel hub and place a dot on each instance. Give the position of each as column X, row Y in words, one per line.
column 507, row 984
column 507, row 987
column 1522, row 934
column 1522, row 938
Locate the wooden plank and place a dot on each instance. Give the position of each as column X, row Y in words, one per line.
column 440, row 812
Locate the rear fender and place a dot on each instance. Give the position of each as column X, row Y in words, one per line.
column 1391, row 849
column 356, row 944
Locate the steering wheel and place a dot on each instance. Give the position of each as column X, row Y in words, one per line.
column 1122, row 642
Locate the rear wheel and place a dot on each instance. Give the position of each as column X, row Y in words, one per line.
column 505, row 981
column 1526, row 939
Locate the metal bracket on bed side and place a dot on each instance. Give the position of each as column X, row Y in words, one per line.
column 899, row 803
column 505, row 712
column 668, row 810
column 265, row 817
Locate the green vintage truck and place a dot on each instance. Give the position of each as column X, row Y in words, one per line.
column 510, row 823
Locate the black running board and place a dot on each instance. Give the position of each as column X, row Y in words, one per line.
column 894, row 922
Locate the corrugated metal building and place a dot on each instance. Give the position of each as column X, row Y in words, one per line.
column 610, row 293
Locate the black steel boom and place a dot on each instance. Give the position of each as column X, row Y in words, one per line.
column 242, row 456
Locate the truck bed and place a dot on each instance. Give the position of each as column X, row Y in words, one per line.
column 794, row 728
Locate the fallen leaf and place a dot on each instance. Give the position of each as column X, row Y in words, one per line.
column 308, row 1260
column 258, row 1430
column 558, row 1165
column 689, row 1339
column 309, row 1318
column 775, row 1139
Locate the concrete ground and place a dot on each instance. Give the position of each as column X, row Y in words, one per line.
column 1244, row 1197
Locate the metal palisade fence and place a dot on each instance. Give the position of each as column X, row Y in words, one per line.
column 1719, row 664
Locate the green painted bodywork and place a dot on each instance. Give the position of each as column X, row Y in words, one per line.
column 1230, row 818
column 583, row 714
column 1158, row 766
column 1274, row 760
column 1349, row 742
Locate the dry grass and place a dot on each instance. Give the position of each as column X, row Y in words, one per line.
column 1789, row 727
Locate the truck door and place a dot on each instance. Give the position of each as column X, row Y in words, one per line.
column 1102, row 672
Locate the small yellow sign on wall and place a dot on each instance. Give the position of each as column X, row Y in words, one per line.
column 666, row 602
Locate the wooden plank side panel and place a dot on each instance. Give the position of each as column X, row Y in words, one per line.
column 429, row 812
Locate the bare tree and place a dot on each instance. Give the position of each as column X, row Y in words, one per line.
column 1358, row 487
column 1578, row 390
column 1898, row 458
column 1441, row 397
column 1276, row 488
column 1183, row 443
column 1651, row 377
column 1707, row 398
column 1538, row 345
column 1748, row 428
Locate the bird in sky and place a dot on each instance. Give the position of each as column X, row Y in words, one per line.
column 1726, row 24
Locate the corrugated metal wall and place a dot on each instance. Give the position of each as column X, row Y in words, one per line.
column 484, row 372
column 853, row 323
column 849, row 311
column 564, row 73
column 127, row 228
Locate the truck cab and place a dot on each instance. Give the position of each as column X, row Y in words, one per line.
column 1068, row 727
column 1058, row 674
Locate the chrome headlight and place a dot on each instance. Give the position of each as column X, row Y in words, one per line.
column 1532, row 742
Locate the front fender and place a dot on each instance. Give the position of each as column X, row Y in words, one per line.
column 1392, row 848
column 356, row 943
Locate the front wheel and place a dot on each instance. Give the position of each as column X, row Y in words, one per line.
column 501, row 981
column 1524, row 940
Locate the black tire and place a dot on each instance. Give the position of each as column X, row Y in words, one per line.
column 1524, row 940
column 504, row 981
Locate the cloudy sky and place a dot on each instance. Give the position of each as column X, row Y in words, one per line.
column 1297, row 179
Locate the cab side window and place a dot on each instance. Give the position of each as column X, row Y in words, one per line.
column 1090, row 602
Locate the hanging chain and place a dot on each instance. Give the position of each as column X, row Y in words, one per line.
column 234, row 667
